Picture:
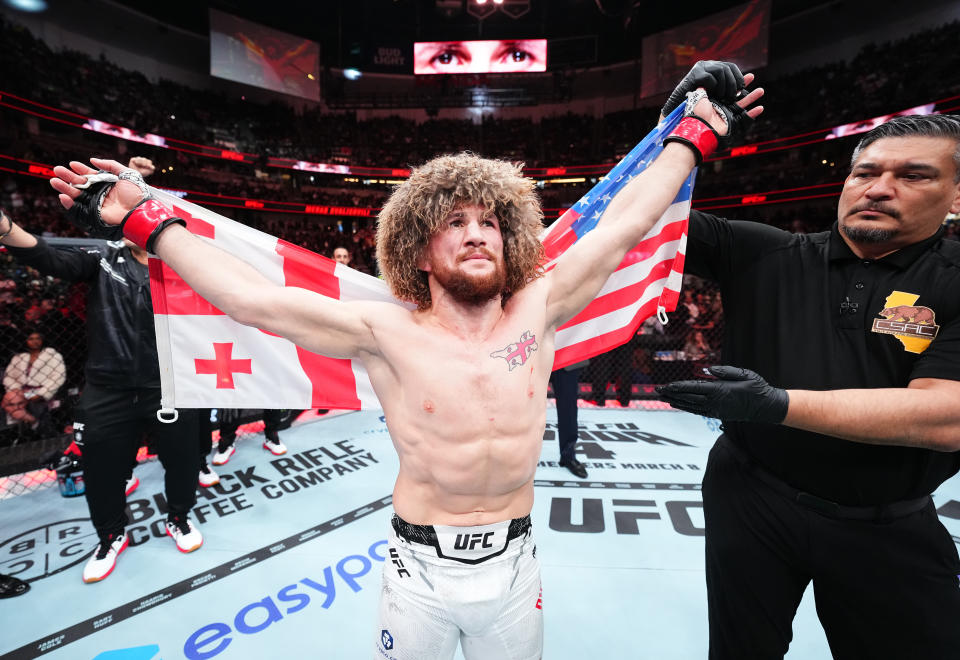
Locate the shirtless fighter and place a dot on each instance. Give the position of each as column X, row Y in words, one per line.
column 462, row 379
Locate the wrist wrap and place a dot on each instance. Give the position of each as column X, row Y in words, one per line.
column 697, row 135
column 146, row 220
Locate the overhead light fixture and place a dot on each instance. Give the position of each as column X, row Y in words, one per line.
column 352, row 74
column 32, row 6
column 514, row 8
column 480, row 10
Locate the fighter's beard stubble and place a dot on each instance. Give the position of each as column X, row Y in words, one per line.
column 471, row 289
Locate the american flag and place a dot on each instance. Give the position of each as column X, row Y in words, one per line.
column 207, row 360
column 648, row 279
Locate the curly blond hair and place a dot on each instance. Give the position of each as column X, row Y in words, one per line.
column 418, row 207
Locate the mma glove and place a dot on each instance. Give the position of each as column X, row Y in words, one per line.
column 142, row 224
column 737, row 395
column 722, row 81
column 695, row 133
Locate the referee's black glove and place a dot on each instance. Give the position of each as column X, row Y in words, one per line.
column 721, row 80
column 737, row 395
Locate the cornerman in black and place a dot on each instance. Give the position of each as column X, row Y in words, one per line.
column 121, row 395
column 826, row 463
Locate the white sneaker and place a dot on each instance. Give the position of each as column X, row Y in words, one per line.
column 187, row 536
column 275, row 447
column 104, row 558
column 221, row 457
column 132, row 484
column 208, row 477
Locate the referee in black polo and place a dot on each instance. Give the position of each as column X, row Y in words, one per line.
column 841, row 412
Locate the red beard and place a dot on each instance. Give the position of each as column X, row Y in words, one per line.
column 472, row 289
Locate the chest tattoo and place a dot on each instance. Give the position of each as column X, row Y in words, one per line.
column 516, row 354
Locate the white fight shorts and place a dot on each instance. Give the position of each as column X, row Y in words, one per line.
column 479, row 586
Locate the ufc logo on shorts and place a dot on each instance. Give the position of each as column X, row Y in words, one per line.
column 396, row 561
column 465, row 541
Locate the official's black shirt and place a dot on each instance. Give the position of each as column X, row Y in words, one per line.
column 121, row 341
column 805, row 313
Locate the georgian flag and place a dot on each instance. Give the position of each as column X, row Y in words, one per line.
column 207, row 360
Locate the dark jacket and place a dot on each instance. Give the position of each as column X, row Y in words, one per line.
column 121, row 342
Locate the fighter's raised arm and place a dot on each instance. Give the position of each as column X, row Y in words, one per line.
column 313, row 321
column 582, row 270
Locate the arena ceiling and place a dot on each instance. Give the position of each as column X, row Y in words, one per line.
column 337, row 25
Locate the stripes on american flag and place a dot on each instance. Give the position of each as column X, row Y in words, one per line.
column 648, row 279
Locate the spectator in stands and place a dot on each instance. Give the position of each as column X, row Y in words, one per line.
column 696, row 347
column 31, row 380
column 8, row 291
column 11, row 336
column 341, row 255
column 121, row 397
column 690, row 304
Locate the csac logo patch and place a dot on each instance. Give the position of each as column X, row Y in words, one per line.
column 914, row 326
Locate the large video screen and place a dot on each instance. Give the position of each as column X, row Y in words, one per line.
column 501, row 56
column 739, row 35
column 256, row 55
column 865, row 125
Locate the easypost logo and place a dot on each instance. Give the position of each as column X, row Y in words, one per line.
column 322, row 587
column 48, row 549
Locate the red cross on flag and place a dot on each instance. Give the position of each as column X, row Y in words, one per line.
column 223, row 365
column 208, row 360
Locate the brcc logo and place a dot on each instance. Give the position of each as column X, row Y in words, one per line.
column 386, row 639
column 43, row 551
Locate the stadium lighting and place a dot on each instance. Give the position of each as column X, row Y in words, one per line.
column 352, row 74
column 27, row 5
column 481, row 9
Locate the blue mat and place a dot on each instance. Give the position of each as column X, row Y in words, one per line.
column 291, row 561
